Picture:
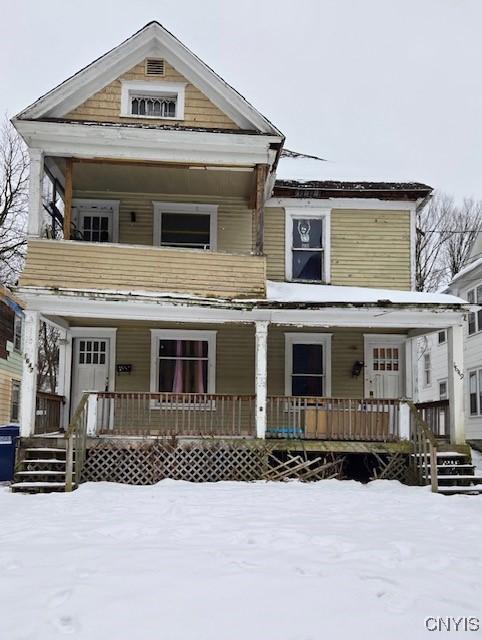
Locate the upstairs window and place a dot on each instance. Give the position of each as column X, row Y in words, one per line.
column 474, row 296
column 442, row 390
column 15, row 401
column 187, row 226
column 475, row 392
column 307, row 246
column 442, row 337
column 159, row 100
column 427, row 370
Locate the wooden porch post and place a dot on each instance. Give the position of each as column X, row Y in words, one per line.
column 261, row 174
column 68, row 197
column 455, row 339
column 261, row 362
column 28, row 395
column 35, row 192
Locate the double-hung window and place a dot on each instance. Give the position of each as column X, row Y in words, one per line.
column 17, row 333
column 474, row 296
column 183, row 361
column 15, row 401
column 308, row 364
column 187, row 226
column 427, row 370
column 442, row 390
column 442, row 337
column 158, row 100
column 308, row 245
column 475, row 392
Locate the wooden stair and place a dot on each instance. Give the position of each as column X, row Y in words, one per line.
column 456, row 474
column 40, row 469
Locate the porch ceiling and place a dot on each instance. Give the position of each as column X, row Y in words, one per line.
column 165, row 179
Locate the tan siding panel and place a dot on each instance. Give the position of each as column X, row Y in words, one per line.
column 70, row 264
column 274, row 243
column 199, row 111
column 370, row 248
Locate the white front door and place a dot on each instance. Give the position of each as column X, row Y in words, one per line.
column 90, row 367
column 384, row 370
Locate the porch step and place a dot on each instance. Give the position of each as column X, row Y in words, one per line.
column 442, row 454
column 459, row 478
column 37, row 487
column 45, row 460
column 45, row 472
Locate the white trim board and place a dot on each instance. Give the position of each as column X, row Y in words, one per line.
column 181, row 207
column 308, row 338
column 183, row 334
column 342, row 203
column 151, row 41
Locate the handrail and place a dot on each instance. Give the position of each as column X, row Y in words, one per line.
column 424, row 449
column 76, row 436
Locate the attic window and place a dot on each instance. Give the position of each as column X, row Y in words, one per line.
column 160, row 100
column 154, row 67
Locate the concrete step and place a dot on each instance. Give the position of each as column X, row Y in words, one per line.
column 469, row 490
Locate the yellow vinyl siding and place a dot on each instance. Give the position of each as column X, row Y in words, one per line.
column 84, row 265
column 234, row 217
column 368, row 248
column 105, row 105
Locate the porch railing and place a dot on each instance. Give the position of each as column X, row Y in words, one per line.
column 333, row 418
column 423, row 458
column 174, row 414
column 48, row 412
column 437, row 417
column 76, row 443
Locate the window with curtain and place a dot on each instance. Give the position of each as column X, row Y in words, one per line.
column 183, row 366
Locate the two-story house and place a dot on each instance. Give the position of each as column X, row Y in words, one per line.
column 433, row 361
column 197, row 294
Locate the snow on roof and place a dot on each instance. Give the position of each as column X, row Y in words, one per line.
column 305, row 168
column 470, row 267
column 296, row 292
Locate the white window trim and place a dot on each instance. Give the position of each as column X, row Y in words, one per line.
column 478, row 329
column 17, row 322
column 477, row 391
column 183, row 334
column 108, row 205
column 154, row 88
column 181, row 207
column 308, row 212
column 308, row 338
column 446, row 382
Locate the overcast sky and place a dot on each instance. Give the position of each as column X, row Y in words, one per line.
column 393, row 85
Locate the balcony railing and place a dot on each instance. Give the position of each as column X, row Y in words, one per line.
column 61, row 264
column 333, row 418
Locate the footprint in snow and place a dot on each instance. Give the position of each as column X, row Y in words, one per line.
column 66, row 625
column 59, row 598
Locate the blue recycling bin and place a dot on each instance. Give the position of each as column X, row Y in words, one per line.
column 8, row 440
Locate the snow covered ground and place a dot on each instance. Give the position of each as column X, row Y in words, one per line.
column 235, row 561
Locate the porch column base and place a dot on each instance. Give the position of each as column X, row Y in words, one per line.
column 261, row 362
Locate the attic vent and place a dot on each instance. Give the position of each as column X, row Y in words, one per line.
column 154, row 67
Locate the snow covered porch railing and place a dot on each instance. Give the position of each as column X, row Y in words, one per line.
column 311, row 418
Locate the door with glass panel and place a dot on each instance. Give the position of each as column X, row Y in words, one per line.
column 384, row 367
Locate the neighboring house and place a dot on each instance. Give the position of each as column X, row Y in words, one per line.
column 10, row 356
column 433, row 354
column 204, row 283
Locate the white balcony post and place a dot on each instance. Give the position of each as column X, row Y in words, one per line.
column 261, row 362
column 28, row 395
column 455, row 339
column 92, row 414
column 35, row 192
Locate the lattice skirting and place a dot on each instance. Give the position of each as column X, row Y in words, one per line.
column 148, row 463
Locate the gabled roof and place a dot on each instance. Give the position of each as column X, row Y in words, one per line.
column 153, row 40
